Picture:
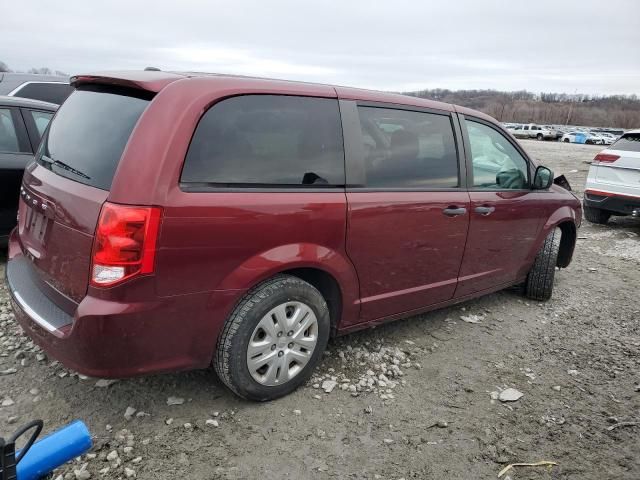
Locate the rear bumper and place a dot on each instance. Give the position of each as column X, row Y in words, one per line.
column 112, row 339
column 617, row 203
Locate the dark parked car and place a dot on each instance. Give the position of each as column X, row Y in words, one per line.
column 46, row 88
column 22, row 123
column 172, row 221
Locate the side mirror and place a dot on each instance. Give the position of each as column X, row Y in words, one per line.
column 543, row 178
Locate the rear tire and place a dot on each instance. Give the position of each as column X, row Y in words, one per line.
column 539, row 136
column 596, row 215
column 539, row 284
column 566, row 140
column 259, row 356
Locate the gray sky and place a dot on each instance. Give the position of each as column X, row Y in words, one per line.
column 537, row 45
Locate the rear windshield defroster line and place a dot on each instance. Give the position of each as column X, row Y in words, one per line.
column 87, row 137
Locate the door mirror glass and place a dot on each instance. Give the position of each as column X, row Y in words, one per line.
column 543, row 178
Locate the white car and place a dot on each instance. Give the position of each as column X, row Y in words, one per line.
column 613, row 183
column 575, row 137
column 596, row 138
column 609, row 138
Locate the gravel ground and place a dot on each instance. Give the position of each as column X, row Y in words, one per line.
column 428, row 389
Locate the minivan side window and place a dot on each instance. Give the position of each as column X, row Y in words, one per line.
column 8, row 134
column 41, row 120
column 267, row 140
column 497, row 164
column 408, row 149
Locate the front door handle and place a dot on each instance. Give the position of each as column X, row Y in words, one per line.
column 454, row 211
column 484, row 210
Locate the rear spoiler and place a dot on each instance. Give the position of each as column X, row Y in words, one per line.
column 150, row 81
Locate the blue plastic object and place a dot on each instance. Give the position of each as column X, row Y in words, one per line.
column 54, row 450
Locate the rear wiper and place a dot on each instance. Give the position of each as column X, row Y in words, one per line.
column 64, row 166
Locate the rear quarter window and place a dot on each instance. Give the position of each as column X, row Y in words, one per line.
column 47, row 92
column 267, row 140
column 87, row 137
column 628, row 143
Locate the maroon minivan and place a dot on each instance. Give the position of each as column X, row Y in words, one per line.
column 171, row 221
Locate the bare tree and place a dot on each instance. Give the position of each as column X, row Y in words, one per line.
column 622, row 111
column 41, row 70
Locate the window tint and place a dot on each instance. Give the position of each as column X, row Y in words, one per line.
column 405, row 149
column 268, row 140
column 629, row 143
column 496, row 162
column 8, row 135
column 41, row 119
column 47, row 92
column 86, row 139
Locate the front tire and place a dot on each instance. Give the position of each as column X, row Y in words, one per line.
column 539, row 285
column 273, row 340
column 540, row 137
column 596, row 215
column 566, row 140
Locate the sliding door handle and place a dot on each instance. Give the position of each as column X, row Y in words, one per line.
column 454, row 211
column 486, row 210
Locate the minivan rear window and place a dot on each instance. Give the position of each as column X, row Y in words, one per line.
column 86, row 138
column 628, row 143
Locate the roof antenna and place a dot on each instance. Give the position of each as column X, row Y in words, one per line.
column 152, row 69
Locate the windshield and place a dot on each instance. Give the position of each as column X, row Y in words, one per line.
column 87, row 136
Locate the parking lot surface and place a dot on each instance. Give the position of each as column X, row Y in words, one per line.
column 435, row 413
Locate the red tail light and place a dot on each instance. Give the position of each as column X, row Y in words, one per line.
column 606, row 158
column 125, row 243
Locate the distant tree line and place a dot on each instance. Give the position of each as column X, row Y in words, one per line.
column 42, row 70
column 620, row 111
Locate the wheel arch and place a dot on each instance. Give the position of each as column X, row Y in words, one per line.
column 328, row 270
column 565, row 219
column 327, row 285
column 567, row 243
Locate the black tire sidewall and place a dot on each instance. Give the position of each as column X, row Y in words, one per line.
column 243, row 382
column 540, row 280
